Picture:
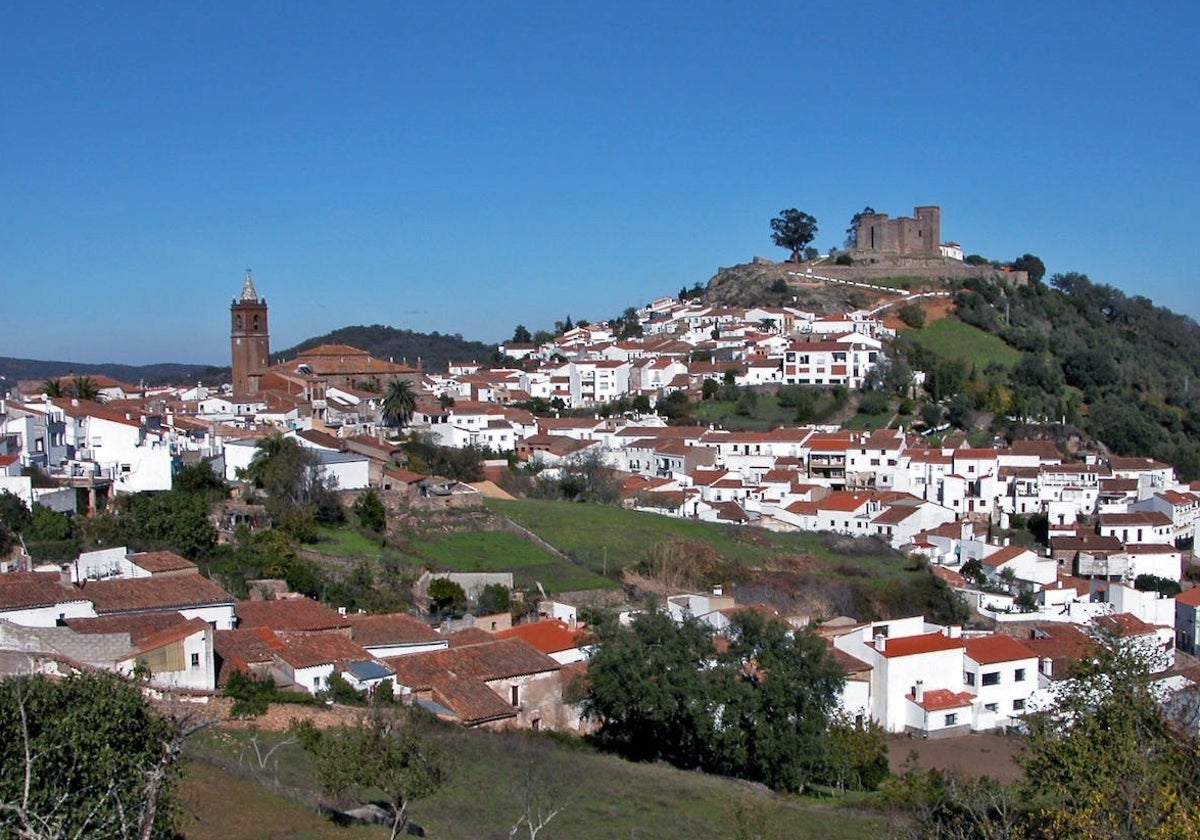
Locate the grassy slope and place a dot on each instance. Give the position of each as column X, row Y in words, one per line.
column 606, row 538
column 604, row 796
column 502, row 551
column 951, row 338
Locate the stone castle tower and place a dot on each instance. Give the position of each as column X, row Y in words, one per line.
column 249, row 339
column 919, row 236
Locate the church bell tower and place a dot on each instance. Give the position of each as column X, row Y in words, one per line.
column 249, row 340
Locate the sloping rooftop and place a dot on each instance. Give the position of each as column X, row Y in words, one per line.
column 289, row 614
column 988, row 650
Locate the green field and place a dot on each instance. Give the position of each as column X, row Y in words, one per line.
column 601, row 796
column 503, row 551
column 951, row 338
column 346, row 542
column 902, row 282
column 606, row 539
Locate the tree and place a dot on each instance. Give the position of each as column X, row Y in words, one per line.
column 446, row 596
column 761, row 710
column 48, row 524
column 251, row 696
column 1031, row 264
column 173, row 521
column 299, row 493
column 399, row 403
column 371, row 512
column 521, row 335
column 778, row 689
column 912, row 315
column 645, row 687
column 493, row 598
column 85, row 388
column 53, row 388
column 13, row 512
column 85, row 757
column 852, row 230
column 200, row 478
column 793, row 230
column 386, row 752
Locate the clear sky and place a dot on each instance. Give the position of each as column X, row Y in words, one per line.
column 465, row 167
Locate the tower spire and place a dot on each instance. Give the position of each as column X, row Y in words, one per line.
column 248, row 292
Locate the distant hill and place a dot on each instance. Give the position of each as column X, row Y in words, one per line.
column 434, row 350
column 14, row 370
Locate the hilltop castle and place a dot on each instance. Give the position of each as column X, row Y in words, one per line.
column 915, row 237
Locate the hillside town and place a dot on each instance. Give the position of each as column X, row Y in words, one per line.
column 1119, row 530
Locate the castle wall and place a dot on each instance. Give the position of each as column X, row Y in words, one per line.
column 917, row 236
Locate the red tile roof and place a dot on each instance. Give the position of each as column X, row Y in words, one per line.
column 139, row 626
column 153, row 593
column 26, row 590
column 157, row 562
column 289, row 614
column 391, row 629
column 987, row 650
column 916, row 645
column 306, row 650
column 549, row 636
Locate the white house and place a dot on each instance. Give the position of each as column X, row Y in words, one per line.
column 1002, row 674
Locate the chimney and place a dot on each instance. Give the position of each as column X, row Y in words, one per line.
column 919, row 691
column 64, row 575
column 880, row 642
column 718, row 591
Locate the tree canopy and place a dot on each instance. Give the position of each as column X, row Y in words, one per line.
column 793, row 230
column 84, row 757
column 387, row 752
column 762, row 710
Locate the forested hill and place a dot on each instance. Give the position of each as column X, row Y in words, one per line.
column 14, row 370
column 1124, row 371
column 433, row 349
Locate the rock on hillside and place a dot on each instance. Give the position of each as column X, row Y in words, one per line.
column 758, row 283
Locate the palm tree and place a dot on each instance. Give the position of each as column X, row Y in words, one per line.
column 399, row 403
column 53, row 387
column 82, row 387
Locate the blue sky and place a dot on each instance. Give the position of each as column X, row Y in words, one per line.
column 466, row 167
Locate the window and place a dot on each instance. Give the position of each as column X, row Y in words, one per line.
column 952, row 719
column 992, row 679
column 195, row 660
column 516, row 695
column 991, row 707
column 1018, row 704
column 316, row 683
column 1019, row 675
column 969, row 678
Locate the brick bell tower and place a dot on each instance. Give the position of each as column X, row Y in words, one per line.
column 249, row 339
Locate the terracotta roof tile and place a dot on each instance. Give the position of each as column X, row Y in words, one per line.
column 549, row 636
column 916, row 645
column 289, row 614
column 158, row 562
column 391, row 629
column 987, row 650
column 153, row 593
